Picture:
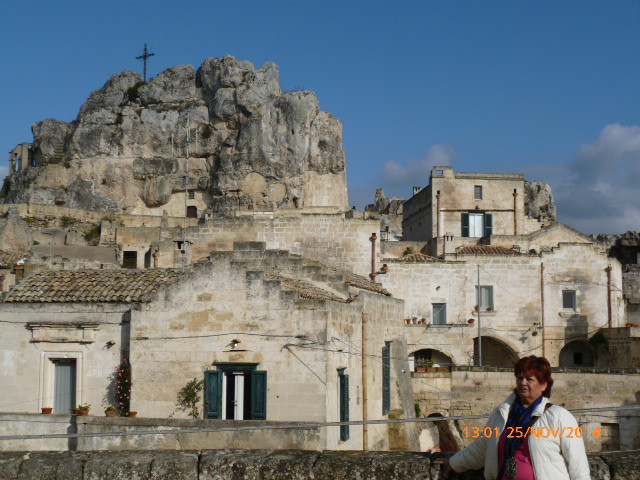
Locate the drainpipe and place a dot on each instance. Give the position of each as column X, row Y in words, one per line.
column 2, row 277
column 609, row 313
column 438, row 229
column 374, row 270
column 515, row 212
column 365, row 379
column 544, row 349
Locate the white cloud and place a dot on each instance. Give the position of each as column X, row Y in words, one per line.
column 599, row 190
column 398, row 176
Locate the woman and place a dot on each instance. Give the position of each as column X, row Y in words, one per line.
column 552, row 453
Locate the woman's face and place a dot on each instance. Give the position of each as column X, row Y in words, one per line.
column 529, row 388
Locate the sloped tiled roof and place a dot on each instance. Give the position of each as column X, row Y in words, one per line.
column 418, row 257
column 92, row 286
column 485, row 250
column 356, row 280
column 305, row 289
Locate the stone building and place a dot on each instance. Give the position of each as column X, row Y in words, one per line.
column 274, row 336
column 463, row 207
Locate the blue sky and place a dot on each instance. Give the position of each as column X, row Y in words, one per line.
column 549, row 89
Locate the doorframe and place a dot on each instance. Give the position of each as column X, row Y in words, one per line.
column 47, row 373
column 228, row 367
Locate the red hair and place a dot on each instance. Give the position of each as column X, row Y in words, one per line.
column 539, row 367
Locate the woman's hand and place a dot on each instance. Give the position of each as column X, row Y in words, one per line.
column 445, row 462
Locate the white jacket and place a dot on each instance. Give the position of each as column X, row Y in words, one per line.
column 559, row 458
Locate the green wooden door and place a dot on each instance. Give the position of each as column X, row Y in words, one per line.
column 213, row 394
column 258, row 395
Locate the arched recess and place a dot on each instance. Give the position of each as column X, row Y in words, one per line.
column 434, row 357
column 577, row 354
column 495, row 353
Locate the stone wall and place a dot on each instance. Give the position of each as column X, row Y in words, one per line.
column 260, row 465
column 307, row 438
column 476, row 391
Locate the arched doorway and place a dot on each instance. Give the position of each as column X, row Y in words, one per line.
column 577, row 354
column 495, row 353
column 429, row 357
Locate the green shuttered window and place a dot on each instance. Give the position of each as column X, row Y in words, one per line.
column 343, row 397
column 386, row 378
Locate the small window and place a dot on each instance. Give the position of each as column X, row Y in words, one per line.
column 477, row 192
column 439, row 173
column 569, row 300
column 439, row 313
column 486, row 298
column 192, row 195
column 130, row 259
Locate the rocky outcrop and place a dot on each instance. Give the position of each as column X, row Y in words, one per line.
column 251, row 145
column 261, row 464
column 16, row 238
column 538, row 201
column 389, row 211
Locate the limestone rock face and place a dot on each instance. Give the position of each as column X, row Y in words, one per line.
column 16, row 237
column 253, row 146
column 538, row 202
column 389, row 211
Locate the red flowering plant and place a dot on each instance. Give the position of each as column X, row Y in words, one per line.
column 123, row 384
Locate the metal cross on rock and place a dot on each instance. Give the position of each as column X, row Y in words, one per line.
column 144, row 57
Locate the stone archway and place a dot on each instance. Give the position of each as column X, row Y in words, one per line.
column 577, row 354
column 495, row 353
column 431, row 355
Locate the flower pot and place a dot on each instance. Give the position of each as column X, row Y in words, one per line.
column 84, row 413
column 421, row 369
column 442, row 369
column 47, row 410
column 109, row 413
column 133, row 414
column 77, row 411
column 432, row 369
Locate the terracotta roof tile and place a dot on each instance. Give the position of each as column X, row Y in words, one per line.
column 356, row 280
column 94, row 286
column 418, row 257
column 305, row 289
column 485, row 250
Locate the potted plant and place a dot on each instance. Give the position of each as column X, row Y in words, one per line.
column 47, row 410
column 421, row 365
column 489, row 308
column 132, row 414
column 430, row 367
column 83, row 410
column 110, row 411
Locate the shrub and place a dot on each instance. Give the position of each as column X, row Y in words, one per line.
column 68, row 221
column 408, row 251
column 132, row 92
column 93, row 234
column 189, row 397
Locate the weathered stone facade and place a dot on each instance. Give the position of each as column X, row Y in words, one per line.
column 497, row 204
column 295, row 319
